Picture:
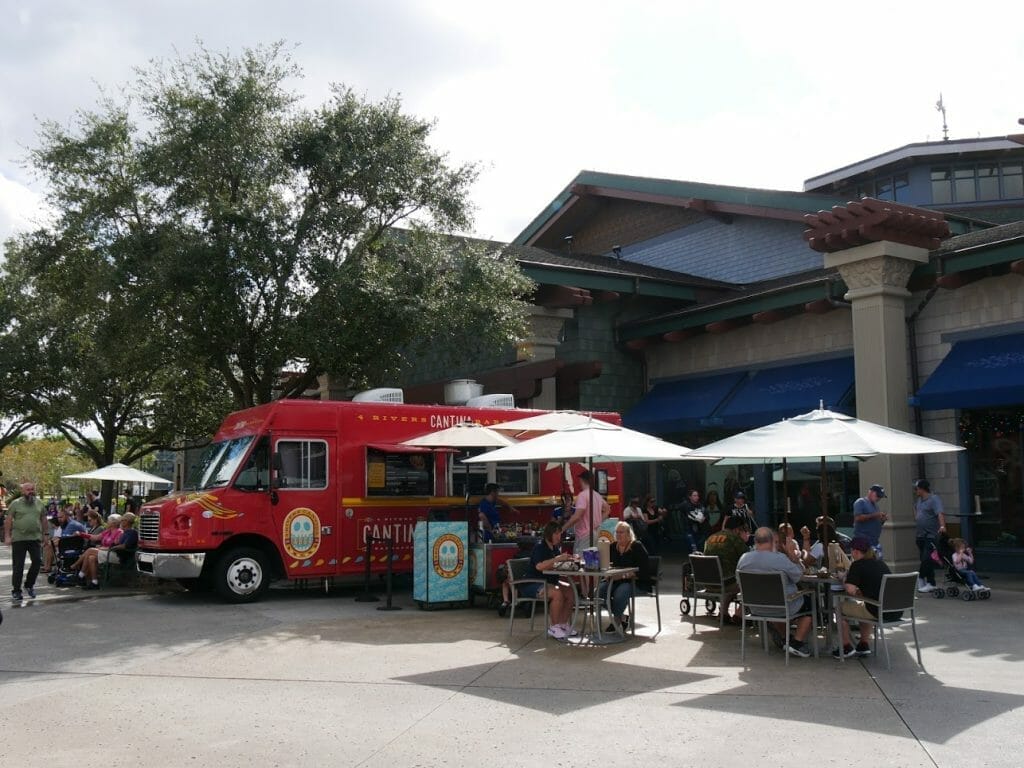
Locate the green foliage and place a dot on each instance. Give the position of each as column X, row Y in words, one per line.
column 43, row 461
column 235, row 238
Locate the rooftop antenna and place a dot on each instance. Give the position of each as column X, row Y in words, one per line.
column 942, row 108
column 568, row 242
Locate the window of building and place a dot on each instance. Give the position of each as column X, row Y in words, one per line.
column 994, row 439
column 963, row 185
column 988, row 181
column 901, row 188
column 1013, row 181
column 942, row 187
column 512, row 479
column 303, row 464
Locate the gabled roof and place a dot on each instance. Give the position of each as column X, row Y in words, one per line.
column 697, row 196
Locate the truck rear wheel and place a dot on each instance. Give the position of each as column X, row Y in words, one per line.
column 242, row 575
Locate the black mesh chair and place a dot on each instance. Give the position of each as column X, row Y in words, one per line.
column 896, row 597
column 763, row 599
column 654, row 571
column 517, row 579
column 708, row 584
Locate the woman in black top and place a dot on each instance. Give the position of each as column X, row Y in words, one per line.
column 546, row 554
column 626, row 552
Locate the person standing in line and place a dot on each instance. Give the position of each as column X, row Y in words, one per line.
column 930, row 522
column 591, row 511
column 868, row 519
column 24, row 531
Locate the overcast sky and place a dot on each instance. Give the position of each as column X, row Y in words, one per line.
column 734, row 92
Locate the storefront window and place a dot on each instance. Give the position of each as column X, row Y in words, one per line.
column 995, row 443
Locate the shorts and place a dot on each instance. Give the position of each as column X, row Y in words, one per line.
column 856, row 609
column 530, row 590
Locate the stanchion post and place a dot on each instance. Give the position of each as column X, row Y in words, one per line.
column 391, row 560
column 367, row 596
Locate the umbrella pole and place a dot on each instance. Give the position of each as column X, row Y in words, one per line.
column 785, row 487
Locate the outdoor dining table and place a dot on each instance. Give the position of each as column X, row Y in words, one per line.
column 587, row 588
column 824, row 584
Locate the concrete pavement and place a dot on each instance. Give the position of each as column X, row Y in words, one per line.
column 305, row 678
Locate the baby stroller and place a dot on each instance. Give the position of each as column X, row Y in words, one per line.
column 69, row 549
column 956, row 585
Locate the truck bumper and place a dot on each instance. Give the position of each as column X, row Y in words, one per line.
column 171, row 565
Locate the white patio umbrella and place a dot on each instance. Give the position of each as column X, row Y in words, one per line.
column 119, row 473
column 545, row 422
column 833, row 434
column 592, row 442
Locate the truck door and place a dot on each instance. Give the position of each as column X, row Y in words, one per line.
column 307, row 508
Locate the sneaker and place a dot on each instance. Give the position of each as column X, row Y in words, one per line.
column 503, row 610
column 557, row 632
column 92, row 585
column 16, row 596
column 31, row 592
column 926, row 587
column 977, row 587
column 796, row 648
column 863, row 650
column 569, row 630
column 982, row 587
column 846, row 653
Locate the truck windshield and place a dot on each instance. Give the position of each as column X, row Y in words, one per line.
column 217, row 463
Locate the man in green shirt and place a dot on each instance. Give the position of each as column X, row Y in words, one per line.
column 729, row 544
column 23, row 530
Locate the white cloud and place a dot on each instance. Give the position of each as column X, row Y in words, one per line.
column 20, row 208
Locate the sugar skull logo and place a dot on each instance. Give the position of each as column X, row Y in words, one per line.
column 301, row 531
column 449, row 556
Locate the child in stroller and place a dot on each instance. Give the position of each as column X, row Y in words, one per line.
column 961, row 578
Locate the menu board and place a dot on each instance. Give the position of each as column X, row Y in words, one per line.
column 399, row 474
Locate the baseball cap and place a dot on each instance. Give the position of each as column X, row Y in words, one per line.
column 860, row 543
column 879, row 490
column 924, row 485
column 739, row 495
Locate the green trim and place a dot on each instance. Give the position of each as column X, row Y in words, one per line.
column 597, row 281
column 973, row 258
column 834, row 289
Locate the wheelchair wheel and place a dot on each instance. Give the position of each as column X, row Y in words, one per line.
column 710, row 606
column 938, row 593
column 952, row 591
column 984, row 594
column 52, row 577
column 967, row 595
column 684, row 607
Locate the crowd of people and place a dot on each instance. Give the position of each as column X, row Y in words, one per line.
column 43, row 534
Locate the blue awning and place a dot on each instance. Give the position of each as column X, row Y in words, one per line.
column 773, row 394
column 976, row 374
column 681, row 406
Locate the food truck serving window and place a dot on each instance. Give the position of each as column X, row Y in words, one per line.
column 396, row 471
column 303, row 463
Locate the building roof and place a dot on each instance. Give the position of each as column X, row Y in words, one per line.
column 697, row 196
column 934, row 150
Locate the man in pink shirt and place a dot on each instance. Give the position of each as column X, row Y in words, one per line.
column 591, row 511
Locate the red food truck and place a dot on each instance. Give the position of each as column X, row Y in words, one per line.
column 291, row 489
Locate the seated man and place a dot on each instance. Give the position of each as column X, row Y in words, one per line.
column 864, row 579
column 558, row 591
column 765, row 558
column 729, row 545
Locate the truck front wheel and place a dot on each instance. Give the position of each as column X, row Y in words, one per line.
column 242, row 575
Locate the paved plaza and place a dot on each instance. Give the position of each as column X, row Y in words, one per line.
column 306, row 678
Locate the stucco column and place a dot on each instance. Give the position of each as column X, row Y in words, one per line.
column 541, row 343
column 876, row 275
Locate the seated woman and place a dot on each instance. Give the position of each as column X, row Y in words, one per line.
column 87, row 565
column 626, row 552
column 788, row 545
column 558, row 591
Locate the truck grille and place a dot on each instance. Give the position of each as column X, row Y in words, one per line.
column 149, row 526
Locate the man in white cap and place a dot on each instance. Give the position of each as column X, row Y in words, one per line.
column 23, row 530
column 868, row 519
